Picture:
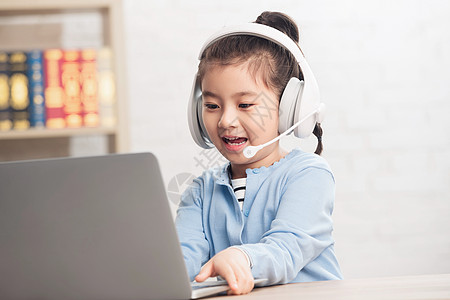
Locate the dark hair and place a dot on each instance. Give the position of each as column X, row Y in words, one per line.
column 278, row 63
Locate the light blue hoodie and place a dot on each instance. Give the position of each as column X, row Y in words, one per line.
column 285, row 225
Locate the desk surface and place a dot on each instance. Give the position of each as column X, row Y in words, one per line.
column 408, row 287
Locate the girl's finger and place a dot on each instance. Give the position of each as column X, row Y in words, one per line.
column 205, row 272
column 244, row 280
column 230, row 277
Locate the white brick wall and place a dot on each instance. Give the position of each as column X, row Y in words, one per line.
column 384, row 70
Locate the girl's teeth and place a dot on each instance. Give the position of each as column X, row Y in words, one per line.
column 234, row 141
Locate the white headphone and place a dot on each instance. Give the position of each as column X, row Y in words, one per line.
column 300, row 102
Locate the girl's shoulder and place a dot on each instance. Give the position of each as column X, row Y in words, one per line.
column 302, row 159
column 204, row 184
column 302, row 168
column 297, row 161
column 209, row 176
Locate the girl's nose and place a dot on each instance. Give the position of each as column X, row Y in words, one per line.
column 228, row 119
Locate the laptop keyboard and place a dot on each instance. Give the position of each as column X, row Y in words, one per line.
column 209, row 283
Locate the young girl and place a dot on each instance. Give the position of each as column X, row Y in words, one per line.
column 268, row 216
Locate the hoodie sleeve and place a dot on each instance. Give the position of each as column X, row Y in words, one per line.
column 189, row 224
column 301, row 229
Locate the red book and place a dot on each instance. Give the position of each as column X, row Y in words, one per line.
column 70, row 78
column 88, row 81
column 54, row 93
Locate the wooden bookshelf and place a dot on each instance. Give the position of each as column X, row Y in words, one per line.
column 37, row 133
column 112, row 37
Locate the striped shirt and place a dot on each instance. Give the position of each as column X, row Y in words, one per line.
column 239, row 189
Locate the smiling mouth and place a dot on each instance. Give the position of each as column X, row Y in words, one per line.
column 234, row 141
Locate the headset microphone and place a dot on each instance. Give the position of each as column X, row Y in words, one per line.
column 251, row 151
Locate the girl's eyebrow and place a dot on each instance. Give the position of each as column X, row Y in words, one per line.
column 244, row 93
column 209, row 94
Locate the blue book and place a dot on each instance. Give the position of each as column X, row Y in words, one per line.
column 36, row 83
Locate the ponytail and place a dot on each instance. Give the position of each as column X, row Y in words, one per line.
column 318, row 133
column 280, row 21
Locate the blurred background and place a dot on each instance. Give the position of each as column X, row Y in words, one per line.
column 383, row 68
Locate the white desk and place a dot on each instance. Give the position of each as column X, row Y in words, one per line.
column 408, row 287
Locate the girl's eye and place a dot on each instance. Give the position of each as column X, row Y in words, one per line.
column 245, row 105
column 211, row 106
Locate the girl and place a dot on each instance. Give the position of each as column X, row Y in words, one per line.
column 268, row 216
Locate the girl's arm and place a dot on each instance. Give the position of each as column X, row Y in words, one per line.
column 301, row 230
column 189, row 225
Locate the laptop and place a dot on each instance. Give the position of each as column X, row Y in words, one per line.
column 90, row 228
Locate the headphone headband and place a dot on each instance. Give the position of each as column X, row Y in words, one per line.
column 259, row 30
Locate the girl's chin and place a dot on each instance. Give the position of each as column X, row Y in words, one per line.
column 238, row 158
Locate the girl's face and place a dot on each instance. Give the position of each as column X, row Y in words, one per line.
column 239, row 110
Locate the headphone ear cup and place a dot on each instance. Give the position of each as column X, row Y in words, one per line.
column 204, row 134
column 195, row 120
column 308, row 101
column 288, row 103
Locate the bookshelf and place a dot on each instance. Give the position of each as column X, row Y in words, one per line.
column 31, row 24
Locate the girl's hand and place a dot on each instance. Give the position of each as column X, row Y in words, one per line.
column 233, row 266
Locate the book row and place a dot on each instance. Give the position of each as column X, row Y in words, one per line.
column 56, row 88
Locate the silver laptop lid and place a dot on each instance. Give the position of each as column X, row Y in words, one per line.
column 88, row 228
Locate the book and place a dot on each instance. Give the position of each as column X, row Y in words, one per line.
column 106, row 87
column 70, row 79
column 89, row 87
column 36, row 88
column 5, row 112
column 53, row 91
column 19, row 98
